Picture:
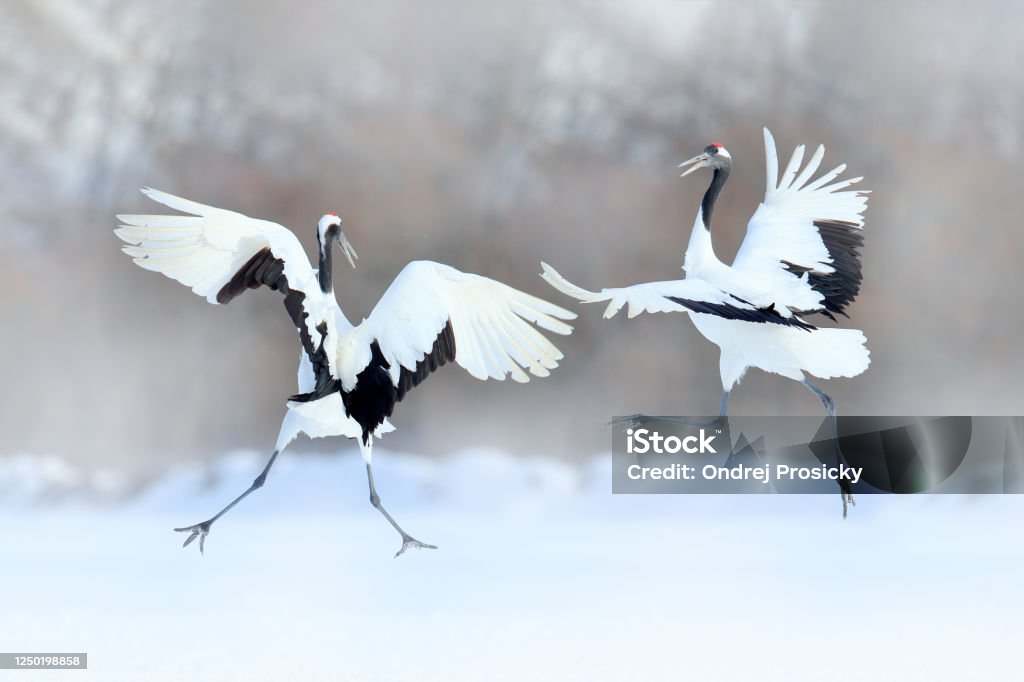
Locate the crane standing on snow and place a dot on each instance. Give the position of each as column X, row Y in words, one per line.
column 350, row 377
column 799, row 257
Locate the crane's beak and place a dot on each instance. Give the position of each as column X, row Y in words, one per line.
column 346, row 248
column 699, row 161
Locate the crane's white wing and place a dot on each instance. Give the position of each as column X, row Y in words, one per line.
column 432, row 313
column 210, row 247
column 220, row 254
column 690, row 295
column 806, row 229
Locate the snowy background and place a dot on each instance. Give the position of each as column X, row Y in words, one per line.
column 541, row 574
column 490, row 136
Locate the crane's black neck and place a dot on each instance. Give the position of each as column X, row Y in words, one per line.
column 707, row 206
column 325, row 273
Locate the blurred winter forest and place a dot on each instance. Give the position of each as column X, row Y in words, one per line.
column 489, row 136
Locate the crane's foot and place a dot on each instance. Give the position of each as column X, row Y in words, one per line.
column 409, row 541
column 848, row 501
column 633, row 421
column 200, row 530
column 637, row 421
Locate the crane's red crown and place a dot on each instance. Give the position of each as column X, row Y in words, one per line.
column 717, row 144
column 336, row 215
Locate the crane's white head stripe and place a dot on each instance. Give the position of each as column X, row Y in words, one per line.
column 326, row 223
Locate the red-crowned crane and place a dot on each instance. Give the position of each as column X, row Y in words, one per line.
column 350, row 376
column 800, row 256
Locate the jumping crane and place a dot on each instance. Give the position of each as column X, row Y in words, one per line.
column 350, row 376
column 799, row 257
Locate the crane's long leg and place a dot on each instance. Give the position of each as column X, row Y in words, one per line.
column 830, row 407
column 407, row 540
column 635, row 421
column 201, row 530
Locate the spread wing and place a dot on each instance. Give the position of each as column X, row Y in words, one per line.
column 219, row 254
column 433, row 314
column 685, row 295
column 810, row 230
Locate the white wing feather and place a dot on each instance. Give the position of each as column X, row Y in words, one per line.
column 650, row 297
column 492, row 325
column 782, row 228
column 205, row 249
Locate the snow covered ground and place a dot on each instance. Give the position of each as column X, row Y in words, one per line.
column 541, row 574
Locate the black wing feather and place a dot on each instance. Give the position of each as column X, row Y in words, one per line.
column 730, row 312
column 843, row 240
column 266, row 269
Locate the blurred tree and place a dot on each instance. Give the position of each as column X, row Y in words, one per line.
column 489, row 137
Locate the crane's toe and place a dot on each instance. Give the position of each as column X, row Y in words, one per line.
column 848, row 501
column 633, row 421
column 636, row 421
column 409, row 541
column 200, row 530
